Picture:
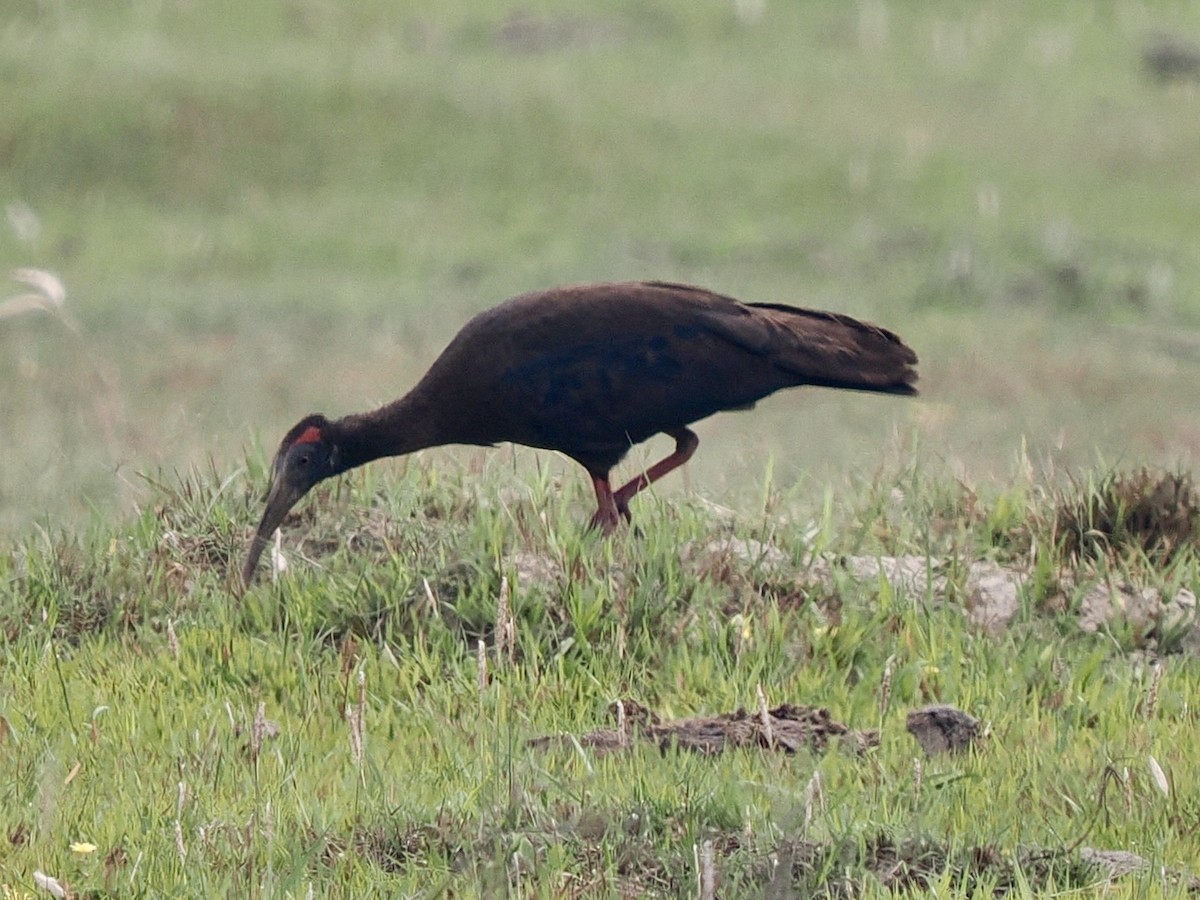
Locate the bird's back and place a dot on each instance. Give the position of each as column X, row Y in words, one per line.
column 591, row 370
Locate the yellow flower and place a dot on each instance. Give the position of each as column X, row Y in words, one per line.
column 83, row 847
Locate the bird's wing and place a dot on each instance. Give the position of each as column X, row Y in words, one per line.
column 816, row 347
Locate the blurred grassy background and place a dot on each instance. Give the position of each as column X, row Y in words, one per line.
column 265, row 209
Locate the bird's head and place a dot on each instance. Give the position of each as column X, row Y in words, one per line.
column 307, row 454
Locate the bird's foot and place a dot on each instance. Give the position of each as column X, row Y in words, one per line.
column 606, row 523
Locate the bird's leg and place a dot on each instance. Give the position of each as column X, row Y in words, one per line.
column 686, row 443
column 607, row 518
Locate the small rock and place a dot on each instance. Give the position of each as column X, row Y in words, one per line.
column 908, row 572
column 1116, row 862
column 533, row 569
column 993, row 600
column 1142, row 608
column 939, row 729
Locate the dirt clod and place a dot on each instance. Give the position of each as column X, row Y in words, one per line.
column 792, row 728
column 941, row 729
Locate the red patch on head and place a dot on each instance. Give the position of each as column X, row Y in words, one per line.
column 310, row 435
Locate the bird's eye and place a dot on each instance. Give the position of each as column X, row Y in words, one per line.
column 303, row 460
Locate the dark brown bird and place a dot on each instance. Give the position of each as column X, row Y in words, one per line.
column 590, row 371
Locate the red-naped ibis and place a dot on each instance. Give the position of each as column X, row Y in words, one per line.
column 590, row 370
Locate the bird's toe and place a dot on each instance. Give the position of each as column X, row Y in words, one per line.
column 605, row 524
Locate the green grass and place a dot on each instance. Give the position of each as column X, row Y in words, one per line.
column 133, row 679
column 291, row 207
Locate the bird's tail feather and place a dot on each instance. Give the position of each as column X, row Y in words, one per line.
column 833, row 350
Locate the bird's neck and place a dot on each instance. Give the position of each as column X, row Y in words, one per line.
column 404, row 426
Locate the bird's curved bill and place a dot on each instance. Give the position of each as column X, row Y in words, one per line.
column 281, row 498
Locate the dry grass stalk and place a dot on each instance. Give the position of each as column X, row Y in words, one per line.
column 764, row 715
column 48, row 295
column 172, row 639
column 48, row 285
column 180, row 846
column 622, row 723
column 279, row 561
column 1061, row 672
column 356, row 716
column 1152, row 695
column 918, row 775
column 813, row 795
column 482, row 673
column 885, row 687
column 1159, row 776
column 706, row 869
column 389, row 655
column 431, row 599
column 505, row 629
column 258, row 731
column 107, row 401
